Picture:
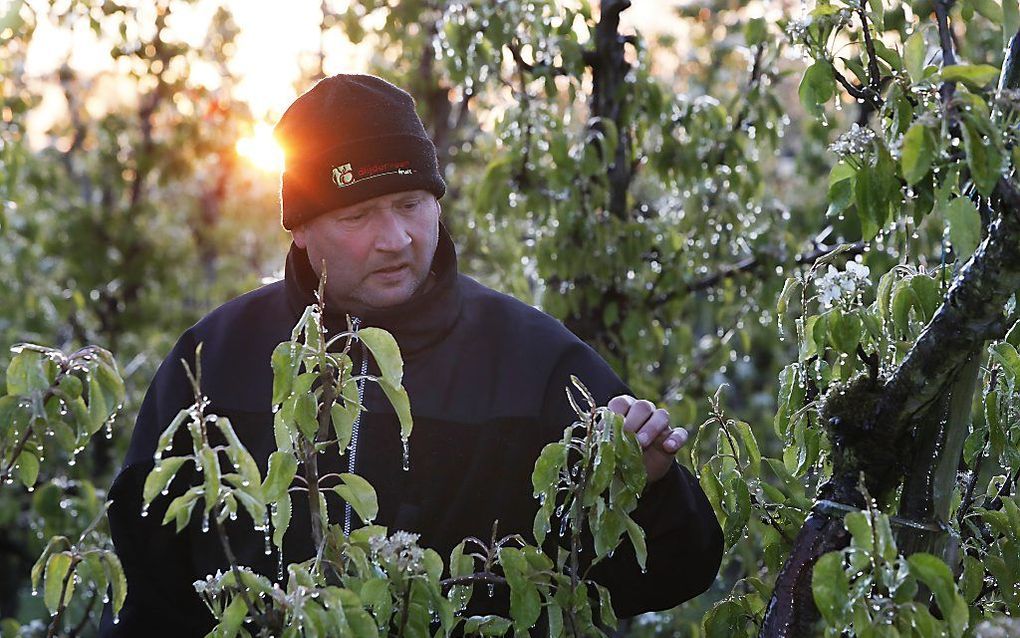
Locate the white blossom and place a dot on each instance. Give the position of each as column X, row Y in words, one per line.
column 855, row 143
column 842, row 286
column 400, row 552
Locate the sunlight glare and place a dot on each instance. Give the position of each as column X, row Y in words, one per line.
column 261, row 149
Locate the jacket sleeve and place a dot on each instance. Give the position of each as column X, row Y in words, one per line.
column 683, row 537
column 156, row 560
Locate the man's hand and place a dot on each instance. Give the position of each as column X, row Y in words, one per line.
column 659, row 442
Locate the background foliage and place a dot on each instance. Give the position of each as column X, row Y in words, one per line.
column 667, row 196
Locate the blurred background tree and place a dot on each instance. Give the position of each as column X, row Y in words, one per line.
column 646, row 174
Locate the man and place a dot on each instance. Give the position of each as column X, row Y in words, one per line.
column 485, row 374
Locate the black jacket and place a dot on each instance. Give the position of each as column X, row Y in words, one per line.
column 486, row 376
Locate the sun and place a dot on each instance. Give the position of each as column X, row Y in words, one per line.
column 261, row 149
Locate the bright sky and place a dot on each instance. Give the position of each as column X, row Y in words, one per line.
column 265, row 63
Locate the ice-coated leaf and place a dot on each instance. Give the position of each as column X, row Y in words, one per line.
column 547, row 467
column 964, row 226
column 118, row 581
column 161, row 475
column 28, row 468
column 360, row 494
column 233, row 617
column 401, row 403
column 282, row 468
column 54, row 593
column 385, row 351
column 914, row 52
column 830, row 588
column 917, row 151
column 817, row 87
column 281, row 518
column 637, row 538
column 306, row 411
column 934, row 573
column 975, row 76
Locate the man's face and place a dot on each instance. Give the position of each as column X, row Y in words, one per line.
column 377, row 252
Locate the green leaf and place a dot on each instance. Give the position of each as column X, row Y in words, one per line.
column 306, row 410
column 165, row 442
column 606, row 612
column 118, row 581
column 28, row 468
column 57, row 568
column 360, row 494
column 917, row 151
column 903, row 299
column 750, row 443
column 55, row 544
column 232, row 618
column 934, row 573
column 844, row 331
column 281, row 518
column 817, row 87
column 831, row 588
column 401, row 403
column 386, row 353
column 964, row 226
column 211, row 473
column 1010, row 20
column 928, row 295
column 343, row 416
column 180, row 509
column 525, row 603
column 975, row 76
column 637, row 538
column 984, row 157
column 737, row 519
column 1008, row 357
column 791, row 285
column 989, row 9
column 872, row 205
column 547, row 467
column 914, row 52
column 841, row 188
column 26, row 373
column 161, row 475
column 285, row 361
column 281, row 472
column 486, row 625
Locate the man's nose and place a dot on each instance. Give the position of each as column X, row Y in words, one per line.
column 391, row 232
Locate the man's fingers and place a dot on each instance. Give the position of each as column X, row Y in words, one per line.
column 637, row 415
column 671, row 440
column 656, row 423
column 620, row 404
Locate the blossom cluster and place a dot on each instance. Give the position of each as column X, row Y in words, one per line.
column 842, row 286
column 855, row 143
column 400, row 552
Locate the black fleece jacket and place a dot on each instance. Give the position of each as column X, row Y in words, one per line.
column 486, row 376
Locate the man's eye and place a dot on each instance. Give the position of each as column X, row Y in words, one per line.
column 410, row 205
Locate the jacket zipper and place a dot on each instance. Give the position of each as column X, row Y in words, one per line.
column 353, row 450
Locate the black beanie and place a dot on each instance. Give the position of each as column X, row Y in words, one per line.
column 350, row 138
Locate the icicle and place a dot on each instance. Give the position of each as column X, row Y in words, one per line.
column 407, row 454
column 205, row 522
column 145, row 510
column 268, row 536
column 279, row 565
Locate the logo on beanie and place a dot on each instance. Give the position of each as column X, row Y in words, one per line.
column 344, row 175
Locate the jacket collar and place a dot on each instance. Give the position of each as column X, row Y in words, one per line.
column 417, row 323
